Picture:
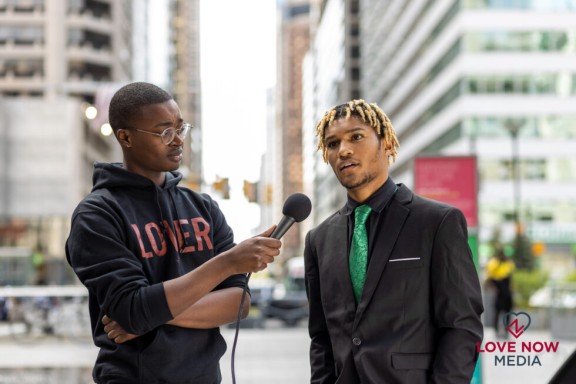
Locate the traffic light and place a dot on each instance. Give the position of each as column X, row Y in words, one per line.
column 269, row 199
column 251, row 191
column 221, row 185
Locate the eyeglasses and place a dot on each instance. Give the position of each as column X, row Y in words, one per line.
column 170, row 134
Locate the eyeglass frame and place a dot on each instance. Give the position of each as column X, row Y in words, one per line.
column 177, row 132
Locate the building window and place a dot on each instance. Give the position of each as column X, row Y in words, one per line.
column 521, row 4
column 355, row 51
column 28, row 5
column 21, row 35
column 355, row 73
column 520, row 41
column 501, row 170
column 297, row 10
column 22, row 68
column 543, row 83
column 533, row 169
column 545, row 127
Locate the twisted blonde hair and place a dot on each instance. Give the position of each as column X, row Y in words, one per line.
column 370, row 113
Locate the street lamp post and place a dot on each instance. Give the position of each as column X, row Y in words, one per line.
column 513, row 127
column 522, row 251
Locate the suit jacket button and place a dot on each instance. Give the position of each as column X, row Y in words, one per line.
column 356, row 341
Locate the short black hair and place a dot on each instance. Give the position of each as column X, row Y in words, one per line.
column 128, row 100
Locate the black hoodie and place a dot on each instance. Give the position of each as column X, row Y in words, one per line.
column 127, row 237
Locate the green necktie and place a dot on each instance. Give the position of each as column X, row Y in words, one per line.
column 358, row 260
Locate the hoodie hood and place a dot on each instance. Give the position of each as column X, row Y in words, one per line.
column 114, row 175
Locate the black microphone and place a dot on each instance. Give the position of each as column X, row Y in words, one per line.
column 296, row 208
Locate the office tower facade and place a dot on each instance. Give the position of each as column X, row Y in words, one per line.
column 185, row 82
column 293, row 43
column 493, row 79
column 332, row 77
column 54, row 57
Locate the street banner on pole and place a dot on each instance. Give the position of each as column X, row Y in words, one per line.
column 453, row 180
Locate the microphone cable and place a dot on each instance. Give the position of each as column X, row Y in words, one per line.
column 296, row 208
column 240, row 313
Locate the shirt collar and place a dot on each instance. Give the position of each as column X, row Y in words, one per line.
column 379, row 199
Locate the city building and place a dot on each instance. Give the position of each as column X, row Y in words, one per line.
column 60, row 63
column 293, row 43
column 55, row 57
column 485, row 78
column 166, row 52
column 332, row 77
column 185, row 82
column 493, row 79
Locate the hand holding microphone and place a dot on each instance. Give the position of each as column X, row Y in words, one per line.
column 256, row 253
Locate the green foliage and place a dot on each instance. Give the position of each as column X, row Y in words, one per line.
column 571, row 278
column 523, row 257
column 525, row 283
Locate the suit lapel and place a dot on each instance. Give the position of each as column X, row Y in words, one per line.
column 390, row 226
column 340, row 260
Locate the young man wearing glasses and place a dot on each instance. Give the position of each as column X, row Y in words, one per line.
column 159, row 260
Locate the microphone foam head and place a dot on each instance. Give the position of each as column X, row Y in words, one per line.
column 297, row 206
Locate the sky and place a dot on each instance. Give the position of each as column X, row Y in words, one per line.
column 237, row 67
column 238, row 55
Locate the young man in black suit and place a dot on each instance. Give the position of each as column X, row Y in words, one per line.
column 408, row 310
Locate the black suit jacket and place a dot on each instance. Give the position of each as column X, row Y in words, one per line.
column 418, row 320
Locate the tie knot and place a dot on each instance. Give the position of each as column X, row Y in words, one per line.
column 361, row 213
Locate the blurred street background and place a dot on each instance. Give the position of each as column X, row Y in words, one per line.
column 482, row 94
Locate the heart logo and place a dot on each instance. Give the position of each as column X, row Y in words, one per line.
column 517, row 323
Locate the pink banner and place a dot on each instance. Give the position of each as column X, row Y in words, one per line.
column 451, row 180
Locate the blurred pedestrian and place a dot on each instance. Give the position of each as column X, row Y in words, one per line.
column 499, row 270
column 3, row 305
column 394, row 294
column 159, row 260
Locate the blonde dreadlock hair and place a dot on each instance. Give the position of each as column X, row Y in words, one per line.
column 370, row 113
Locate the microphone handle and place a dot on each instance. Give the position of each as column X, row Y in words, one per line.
column 283, row 226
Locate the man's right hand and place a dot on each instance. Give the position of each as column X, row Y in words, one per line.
column 254, row 254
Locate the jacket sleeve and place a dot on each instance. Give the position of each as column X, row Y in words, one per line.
column 96, row 249
column 223, row 241
column 321, row 356
column 457, row 302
